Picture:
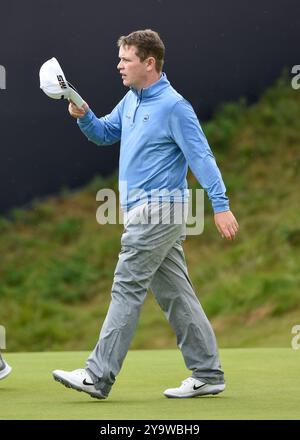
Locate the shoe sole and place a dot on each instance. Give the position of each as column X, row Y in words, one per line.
column 208, row 393
column 5, row 372
column 75, row 387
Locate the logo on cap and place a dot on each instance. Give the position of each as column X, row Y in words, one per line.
column 62, row 84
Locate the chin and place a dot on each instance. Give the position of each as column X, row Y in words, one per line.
column 126, row 82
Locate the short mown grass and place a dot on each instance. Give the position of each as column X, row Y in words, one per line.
column 260, row 384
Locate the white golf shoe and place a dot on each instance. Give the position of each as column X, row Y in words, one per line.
column 79, row 380
column 191, row 387
column 5, row 369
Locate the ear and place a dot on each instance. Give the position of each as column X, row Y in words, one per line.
column 150, row 63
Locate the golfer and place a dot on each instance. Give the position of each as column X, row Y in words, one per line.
column 160, row 137
column 5, row 369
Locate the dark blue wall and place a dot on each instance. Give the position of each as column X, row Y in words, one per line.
column 216, row 51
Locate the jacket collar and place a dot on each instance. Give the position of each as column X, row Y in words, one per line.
column 154, row 89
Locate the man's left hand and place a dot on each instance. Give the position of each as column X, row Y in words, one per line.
column 226, row 224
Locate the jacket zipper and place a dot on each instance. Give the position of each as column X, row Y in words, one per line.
column 137, row 106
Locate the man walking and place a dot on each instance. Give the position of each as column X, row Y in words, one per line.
column 160, row 136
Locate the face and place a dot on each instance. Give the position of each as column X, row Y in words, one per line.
column 135, row 72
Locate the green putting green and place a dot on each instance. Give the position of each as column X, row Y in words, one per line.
column 262, row 383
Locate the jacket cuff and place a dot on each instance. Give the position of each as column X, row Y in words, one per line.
column 86, row 118
column 221, row 207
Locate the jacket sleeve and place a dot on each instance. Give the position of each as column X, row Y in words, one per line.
column 186, row 131
column 105, row 130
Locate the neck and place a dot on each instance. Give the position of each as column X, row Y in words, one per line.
column 149, row 81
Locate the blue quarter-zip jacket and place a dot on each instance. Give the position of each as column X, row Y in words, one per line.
column 160, row 136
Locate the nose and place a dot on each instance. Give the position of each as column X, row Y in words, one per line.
column 119, row 66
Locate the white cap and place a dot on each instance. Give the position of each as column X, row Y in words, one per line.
column 53, row 82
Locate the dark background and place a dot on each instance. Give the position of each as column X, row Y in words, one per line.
column 216, row 51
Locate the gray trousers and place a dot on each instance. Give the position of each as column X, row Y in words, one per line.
column 151, row 256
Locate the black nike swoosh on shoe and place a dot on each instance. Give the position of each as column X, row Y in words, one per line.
column 197, row 388
column 86, row 383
